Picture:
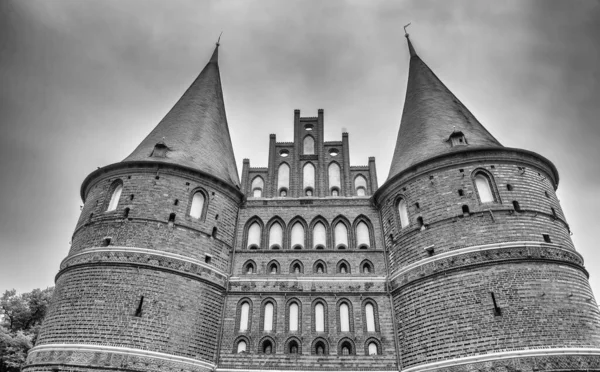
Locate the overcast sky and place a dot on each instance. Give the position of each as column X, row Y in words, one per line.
column 83, row 82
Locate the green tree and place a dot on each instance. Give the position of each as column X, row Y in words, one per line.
column 21, row 317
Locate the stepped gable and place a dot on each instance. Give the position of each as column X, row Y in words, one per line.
column 431, row 115
column 195, row 133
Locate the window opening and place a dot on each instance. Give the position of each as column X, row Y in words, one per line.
column 547, row 238
column 341, row 235
column 465, row 210
column 344, row 318
column 257, row 187
column 319, row 235
column 373, row 346
column 241, row 347
column 297, row 238
column 293, row 321
column 197, row 205
column 114, row 199
column 509, row 187
column 267, row 347
column 319, row 318
column 244, row 316
column 363, row 239
column 283, row 178
column 460, row 192
column 403, row 211
column 268, row 317
column 138, row 311
column 360, row 185
column 276, row 236
column 334, row 177
column 370, row 317
column 308, row 177
column 484, row 188
column 516, row 206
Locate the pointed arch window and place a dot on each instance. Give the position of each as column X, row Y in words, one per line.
column 403, row 212
column 372, row 348
column 484, row 188
column 360, row 186
column 319, row 317
column 370, row 317
column 334, row 177
column 319, row 236
column 244, row 316
column 308, row 178
column 241, row 347
column 344, row 317
column 257, row 187
column 283, row 178
column 254, row 233
column 293, row 321
column 268, row 317
column 297, row 236
column 341, row 235
column 363, row 239
column 197, row 205
column 275, row 236
column 115, row 196
column 309, row 145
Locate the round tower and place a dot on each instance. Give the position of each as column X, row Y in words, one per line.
column 143, row 286
column 483, row 272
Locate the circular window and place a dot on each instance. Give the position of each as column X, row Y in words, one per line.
column 334, row 152
column 309, row 127
column 284, row 153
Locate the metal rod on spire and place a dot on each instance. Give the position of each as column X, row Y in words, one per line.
column 405, row 32
column 219, row 39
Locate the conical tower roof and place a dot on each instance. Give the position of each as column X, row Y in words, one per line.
column 195, row 133
column 431, row 115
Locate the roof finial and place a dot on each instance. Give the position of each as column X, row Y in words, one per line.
column 219, row 39
column 405, row 32
column 411, row 50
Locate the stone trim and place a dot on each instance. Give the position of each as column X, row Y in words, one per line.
column 146, row 257
column 87, row 355
column 503, row 355
column 480, row 248
column 377, row 279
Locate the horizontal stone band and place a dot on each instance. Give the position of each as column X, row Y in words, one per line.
column 504, row 355
column 86, row 354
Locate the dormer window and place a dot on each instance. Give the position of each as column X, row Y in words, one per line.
column 457, row 138
column 160, row 150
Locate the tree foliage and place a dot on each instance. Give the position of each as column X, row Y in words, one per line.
column 21, row 316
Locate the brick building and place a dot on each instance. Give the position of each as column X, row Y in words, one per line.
column 461, row 261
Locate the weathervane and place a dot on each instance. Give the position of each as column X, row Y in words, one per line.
column 405, row 32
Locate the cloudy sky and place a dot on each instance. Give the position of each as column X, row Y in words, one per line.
column 83, row 82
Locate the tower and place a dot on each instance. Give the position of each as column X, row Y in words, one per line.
column 483, row 272
column 143, row 286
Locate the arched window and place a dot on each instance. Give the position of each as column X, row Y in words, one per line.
column 293, row 347
column 320, row 268
column 346, row 348
column 484, row 188
column 309, row 145
column 241, row 347
column 403, row 211
column 268, row 317
column 197, row 205
column 372, row 348
column 334, row 177
column 297, row 241
column 273, row 268
column 319, row 235
column 344, row 318
column 283, row 178
column 360, row 186
column 308, row 178
column 275, row 236
column 244, row 316
column 296, row 268
column 335, row 191
column 293, row 317
column 254, row 233
column 370, row 317
column 363, row 239
column 267, row 347
column 116, row 195
column 341, row 236
column 257, row 187
column 320, row 347
column 249, row 268
column 366, row 267
column 319, row 317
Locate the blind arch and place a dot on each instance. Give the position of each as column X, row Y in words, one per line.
column 363, row 237
column 334, row 173
column 309, row 145
column 341, row 235
column 275, row 235
column 308, row 176
column 258, row 185
column 283, row 177
column 297, row 238
column 254, row 233
column 319, row 235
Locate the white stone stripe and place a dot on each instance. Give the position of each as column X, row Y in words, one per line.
column 478, row 248
column 377, row 279
column 121, row 350
column 503, row 355
column 145, row 251
column 298, row 370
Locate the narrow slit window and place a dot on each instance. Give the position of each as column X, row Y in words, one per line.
column 138, row 311
column 465, row 210
column 547, row 238
column 344, row 318
column 370, row 317
column 516, row 206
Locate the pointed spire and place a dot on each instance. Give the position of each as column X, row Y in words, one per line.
column 195, row 132
column 431, row 115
